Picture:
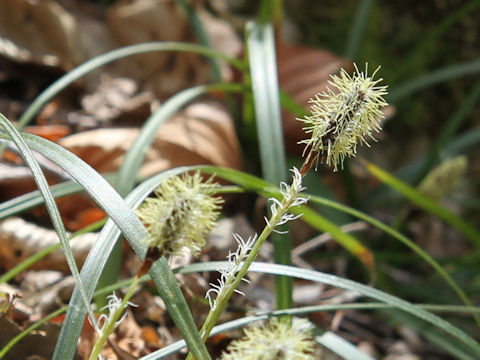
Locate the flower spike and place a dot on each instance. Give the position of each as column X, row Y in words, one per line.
column 275, row 340
column 343, row 117
column 181, row 215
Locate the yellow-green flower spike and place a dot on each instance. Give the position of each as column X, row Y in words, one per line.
column 444, row 178
column 181, row 214
column 277, row 340
column 342, row 117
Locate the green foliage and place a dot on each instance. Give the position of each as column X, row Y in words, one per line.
column 262, row 104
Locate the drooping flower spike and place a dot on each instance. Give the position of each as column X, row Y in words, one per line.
column 181, row 215
column 442, row 179
column 342, row 117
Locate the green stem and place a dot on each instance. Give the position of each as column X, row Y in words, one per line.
column 109, row 328
column 25, row 264
column 232, row 282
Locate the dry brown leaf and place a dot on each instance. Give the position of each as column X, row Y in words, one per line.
column 305, row 71
column 20, row 239
column 203, row 133
column 116, row 97
column 139, row 21
column 164, row 73
column 39, row 343
column 49, row 132
column 22, row 20
column 223, row 38
column 15, row 181
column 47, row 33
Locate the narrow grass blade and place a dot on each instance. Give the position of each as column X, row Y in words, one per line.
column 51, row 205
column 403, row 239
column 460, row 144
column 346, row 240
column 111, row 56
column 315, row 276
column 263, row 72
column 255, row 184
column 34, row 198
column 288, row 103
column 447, row 73
column 136, row 153
column 357, row 29
column 124, row 217
column 264, row 188
column 432, row 36
column 230, row 325
column 449, row 130
column 463, row 141
column 161, row 274
column 341, row 347
column 28, row 330
column 425, row 203
column 201, row 34
column 25, row 264
column 432, row 334
column 265, row 91
column 178, row 345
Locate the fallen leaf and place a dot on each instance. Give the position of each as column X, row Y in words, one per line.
column 20, row 239
column 69, row 34
column 203, row 133
column 49, row 132
column 22, row 20
column 39, row 344
column 116, row 97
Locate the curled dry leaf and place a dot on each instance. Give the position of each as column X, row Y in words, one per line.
column 67, row 35
column 21, row 22
column 203, row 133
column 115, row 98
column 20, row 239
column 36, row 345
column 164, row 73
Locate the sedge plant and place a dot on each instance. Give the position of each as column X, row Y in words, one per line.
column 344, row 116
column 178, row 218
column 184, row 209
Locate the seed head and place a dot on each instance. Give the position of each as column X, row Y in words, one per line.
column 229, row 271
column 444, row 178
column 277, row 340
column 181, row 214
column 343, row 116
column 291, row 197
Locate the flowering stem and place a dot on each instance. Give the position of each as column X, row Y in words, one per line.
column 277, row 217
column 308, row 163
column 112, row 323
